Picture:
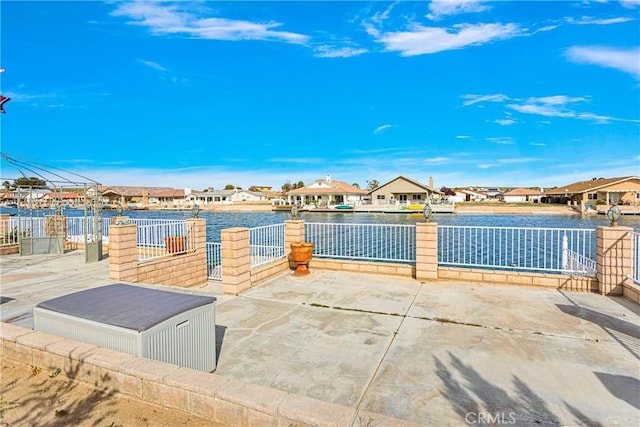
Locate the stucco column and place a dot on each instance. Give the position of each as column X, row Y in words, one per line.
column 293, row 233
column 197, row 245
column 236, row 260
column 426, row 251
column 613, row 258
column 123, row 253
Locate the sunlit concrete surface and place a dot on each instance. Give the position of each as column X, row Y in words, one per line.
column 432, row 353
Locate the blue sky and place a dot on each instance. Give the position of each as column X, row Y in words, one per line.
column 205, row 94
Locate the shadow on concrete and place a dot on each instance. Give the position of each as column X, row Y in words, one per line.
column 6, row 299
column 478, row 401
column 49, row 394
column 623, row 387
column 625, row 333
column 220, row 331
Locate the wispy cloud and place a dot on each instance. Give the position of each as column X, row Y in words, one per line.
column 437, row 160
column 560, row 106
column 502, row 140
column 152, row 64
column 625, row 60
column 463, row 136
column 381, row 128
column 440, row 8
column 421, row 40
column 589, row 20
column 538, row 144
column 549, row 106
column 175, row 19
column 504, row 122
column 474, row 99
column 327, row 51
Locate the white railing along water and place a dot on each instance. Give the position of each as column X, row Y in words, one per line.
column 159, row 239
column 266, row 244
column 14, row 228
column 568, row 251
column 375, row 242
column 214, row 260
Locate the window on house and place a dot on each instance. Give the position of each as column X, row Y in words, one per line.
column 380, row 197
column 592, row 196
column 416, row 197
column 402, row 197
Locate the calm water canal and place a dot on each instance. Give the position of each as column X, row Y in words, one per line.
column 217, row 221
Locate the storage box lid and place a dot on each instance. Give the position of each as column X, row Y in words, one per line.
column 126, row 306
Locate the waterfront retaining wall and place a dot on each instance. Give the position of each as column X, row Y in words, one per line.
column 208, row 395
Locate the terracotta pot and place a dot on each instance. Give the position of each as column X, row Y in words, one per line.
column 175, row 244
column 301, row 253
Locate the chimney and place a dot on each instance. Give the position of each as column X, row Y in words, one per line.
column 431, row 182
column 328, row 178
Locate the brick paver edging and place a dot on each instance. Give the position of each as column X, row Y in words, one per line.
column 208, row 395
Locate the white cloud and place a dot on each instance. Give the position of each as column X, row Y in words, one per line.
column 152, row 64
column 327, row 51
column 589, row 20
column 463, row 136
column 627, row 61
column 437, row 160
column 630, row 4
column 504, row 122
column 474, row 99
column 382, row 128
column 420, row 40
column 502, row 140
column 538, row 144
column 163, row 19
column 439, row 8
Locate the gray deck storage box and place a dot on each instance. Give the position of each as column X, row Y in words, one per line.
column 168, row 326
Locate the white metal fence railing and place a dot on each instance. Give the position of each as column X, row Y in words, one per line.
column 76, row 228
column 635, row 257
column 375, row 242
column 214, row 260
column 13, row 229
column 266, row 244
column 161, row 239
column 568, row 251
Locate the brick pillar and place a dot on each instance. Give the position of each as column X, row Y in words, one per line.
column 426, row 251
column 197, row 239
column 236, row 260
column 613, row 258
column 293, row 233
column 123, row 253
column 55, row 226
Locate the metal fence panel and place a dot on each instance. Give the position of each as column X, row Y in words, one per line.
column 266, row 244
column 214, row 260
column 569, row 251
column 375, row 242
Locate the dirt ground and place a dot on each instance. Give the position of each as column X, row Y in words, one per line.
column 37, row 398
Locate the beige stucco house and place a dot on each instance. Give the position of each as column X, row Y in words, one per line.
column 326, row 193
column 403, row 191
column 602, row 193
column 522, row 195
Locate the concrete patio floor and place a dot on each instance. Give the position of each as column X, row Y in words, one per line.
column 435, row 353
